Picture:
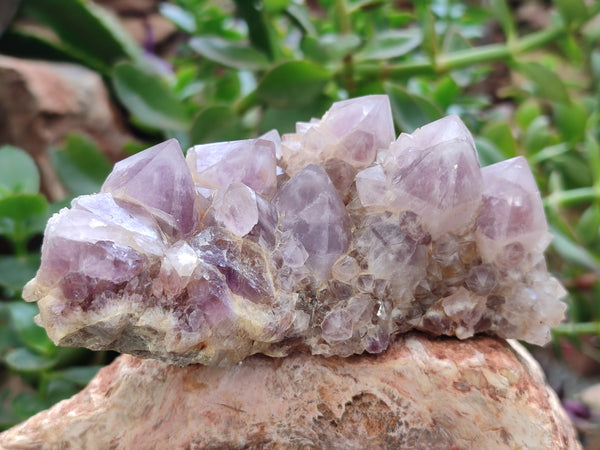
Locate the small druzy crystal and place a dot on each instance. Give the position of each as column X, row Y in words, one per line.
column 332, row 240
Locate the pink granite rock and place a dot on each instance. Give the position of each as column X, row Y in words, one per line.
column 423, row 393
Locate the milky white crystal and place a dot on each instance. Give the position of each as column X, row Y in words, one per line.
column 330, row 240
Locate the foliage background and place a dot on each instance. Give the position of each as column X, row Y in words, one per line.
column 240, row 68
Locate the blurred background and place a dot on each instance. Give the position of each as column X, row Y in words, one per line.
column 86, row 83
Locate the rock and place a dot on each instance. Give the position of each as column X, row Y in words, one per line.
column 424, row 392
column 43, row 101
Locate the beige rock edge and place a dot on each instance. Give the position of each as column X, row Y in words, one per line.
column 423, row 392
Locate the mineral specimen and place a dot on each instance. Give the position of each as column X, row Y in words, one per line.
column 330, row 240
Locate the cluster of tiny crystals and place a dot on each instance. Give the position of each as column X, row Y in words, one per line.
column 330, row 240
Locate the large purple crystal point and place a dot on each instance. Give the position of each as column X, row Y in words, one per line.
column 158, row 179
column 433, row 173
column 251, row 162
column 310, row 208
column 512, row 214
column 330, row 240
column 352, row 131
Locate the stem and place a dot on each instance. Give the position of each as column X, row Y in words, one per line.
column 246, row 103
column 464, row 58
column 394, row 70
column 342, row 12
column 19, row 239
column 576, row 329
column 573, row 196
column 538, row 39
column 477, row 55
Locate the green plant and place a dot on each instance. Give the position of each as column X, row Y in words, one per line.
column 43, row 373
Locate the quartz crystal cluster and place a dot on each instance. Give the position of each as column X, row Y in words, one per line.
column 329, row 240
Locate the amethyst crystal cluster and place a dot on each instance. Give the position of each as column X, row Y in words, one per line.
column 331, row 240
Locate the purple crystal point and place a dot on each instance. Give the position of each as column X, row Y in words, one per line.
column 363, row 126
column 252, row 162
column 158, row 179
column 310, row 207
column 236, row 208
column 352, row 131
column 511, row 219
column 441, row 183
column 330, row 240
column 98, row 239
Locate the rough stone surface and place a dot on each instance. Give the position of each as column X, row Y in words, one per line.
column 41, row 102
column 433, row 393
column 330, row 240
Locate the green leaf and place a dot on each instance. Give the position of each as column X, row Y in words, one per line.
column 596, row 304
column 8, row 417
column 57, row 389
column 284, row 119
column 293, row 84
column 80, row 165
column 488, row 153
column 86, row 28
column 547, row 83
column 504, row 15
column 355, row 5
column 390, row 44
column 21, row 216
column 592, row 151
column 227, row 87
column 575, row 171
column 445, row 92
column 299, row 14
column 275, row 6
column 215, row 124
column 33, row 336
column 78, row 375
column 526, row 113
column 229, row 54
column 8, row 337
column 570, row 118
column 149, row 99
column 24, row 360
column 411, row 111
column 595, row 64
column 427, row 24
column 258, row 27
column 22, row 207
column 329, row 47
column 26, row 404
column 23, row 44
column 501, row 135
column 588, row 226
column 537, row 135
column 182, row 18
column 572, row 252
column 18, row 172
column 572, row 11
column 16, row 271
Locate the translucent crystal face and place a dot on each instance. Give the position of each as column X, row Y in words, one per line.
column 159, row 180
column 332, row 239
